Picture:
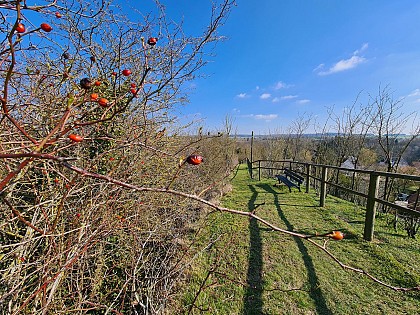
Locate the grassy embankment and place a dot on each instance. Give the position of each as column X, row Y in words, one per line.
column 251, row 269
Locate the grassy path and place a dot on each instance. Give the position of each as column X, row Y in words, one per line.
column 250, row 269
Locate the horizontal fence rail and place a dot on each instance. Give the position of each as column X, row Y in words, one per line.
column 318, row 174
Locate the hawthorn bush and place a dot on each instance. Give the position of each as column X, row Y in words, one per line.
column 87, row 114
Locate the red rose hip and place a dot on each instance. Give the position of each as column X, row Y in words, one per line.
column 46, row 27
column 194, row 159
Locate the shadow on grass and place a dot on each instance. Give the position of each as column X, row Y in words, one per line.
column 253, row 296
column 315, row 291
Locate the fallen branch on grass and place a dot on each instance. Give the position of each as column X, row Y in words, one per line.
column 86, row 173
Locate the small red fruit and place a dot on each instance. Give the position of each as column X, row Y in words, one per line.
column 103, row 102
column 337, row 235
column 92, row 58
column 133, row 85
column 56, row 180
column 152, row 41
column 194, row 159
column 114, row 73
column 46, row 27
column 97, row 83
column 78, row 215
column 20, row 28
column 58, row 15
column 111, row 159
column 75, row 138
column 133, row 91
column 126, row 72
column 94, row 96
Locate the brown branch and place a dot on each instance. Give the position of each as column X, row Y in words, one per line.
column 21, row 218
column 238, row 212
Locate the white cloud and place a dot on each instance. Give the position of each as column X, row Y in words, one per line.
column 288, row 97
column 416, row 92
column 303, row 101
column 280, row 85
column 363, row 48
column 242, row 95
column 319, row 67
column 266, row 117
column 284, row 98
column 265, row 96
column 344, row 64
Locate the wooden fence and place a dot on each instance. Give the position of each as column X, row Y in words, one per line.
column 317, row 175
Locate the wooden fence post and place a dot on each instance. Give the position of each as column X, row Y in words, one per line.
column 323, row 186
column 308, row 172
column 252, row 145
column 259, row 170
column 249, row 165
column 371, row 207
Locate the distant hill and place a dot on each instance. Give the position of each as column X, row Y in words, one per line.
column 311, row 135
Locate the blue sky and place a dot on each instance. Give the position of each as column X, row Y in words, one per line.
column 284, row 59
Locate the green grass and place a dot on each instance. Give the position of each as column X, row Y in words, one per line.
column 250, row 269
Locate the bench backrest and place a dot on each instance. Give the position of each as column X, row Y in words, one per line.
column 294, row 176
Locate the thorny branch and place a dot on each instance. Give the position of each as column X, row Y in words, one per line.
column 237, row 212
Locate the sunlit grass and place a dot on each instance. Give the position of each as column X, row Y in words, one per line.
column 254, row 270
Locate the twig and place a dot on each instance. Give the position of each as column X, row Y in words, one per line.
column 238, row 212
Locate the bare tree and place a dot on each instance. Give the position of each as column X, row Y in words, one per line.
column 389, row 123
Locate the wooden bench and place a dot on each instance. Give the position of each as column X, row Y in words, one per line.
column 290, row 179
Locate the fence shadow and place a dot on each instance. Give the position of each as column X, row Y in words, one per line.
column 315, row 291
column 252, row 300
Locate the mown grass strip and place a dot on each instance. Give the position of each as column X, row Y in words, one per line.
column 250, row 269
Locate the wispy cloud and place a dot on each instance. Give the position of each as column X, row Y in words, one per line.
column 361, row 49
column 344, row 64
column 265, row 96
column 281, row 85
column 242, row 95
column 266, row 117
column 284, row 98
column 415, row 93
column 288, row 97
column 301, row 102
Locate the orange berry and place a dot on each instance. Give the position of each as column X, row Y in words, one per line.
column 337, row 235
column 103, row 102
column 75, row 138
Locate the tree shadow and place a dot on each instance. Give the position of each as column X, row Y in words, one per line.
column 315, row 291
column 252, row 299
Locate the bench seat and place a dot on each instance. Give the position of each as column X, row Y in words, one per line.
column 290, row 179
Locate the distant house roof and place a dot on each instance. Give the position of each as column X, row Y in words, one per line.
column 349, row 163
